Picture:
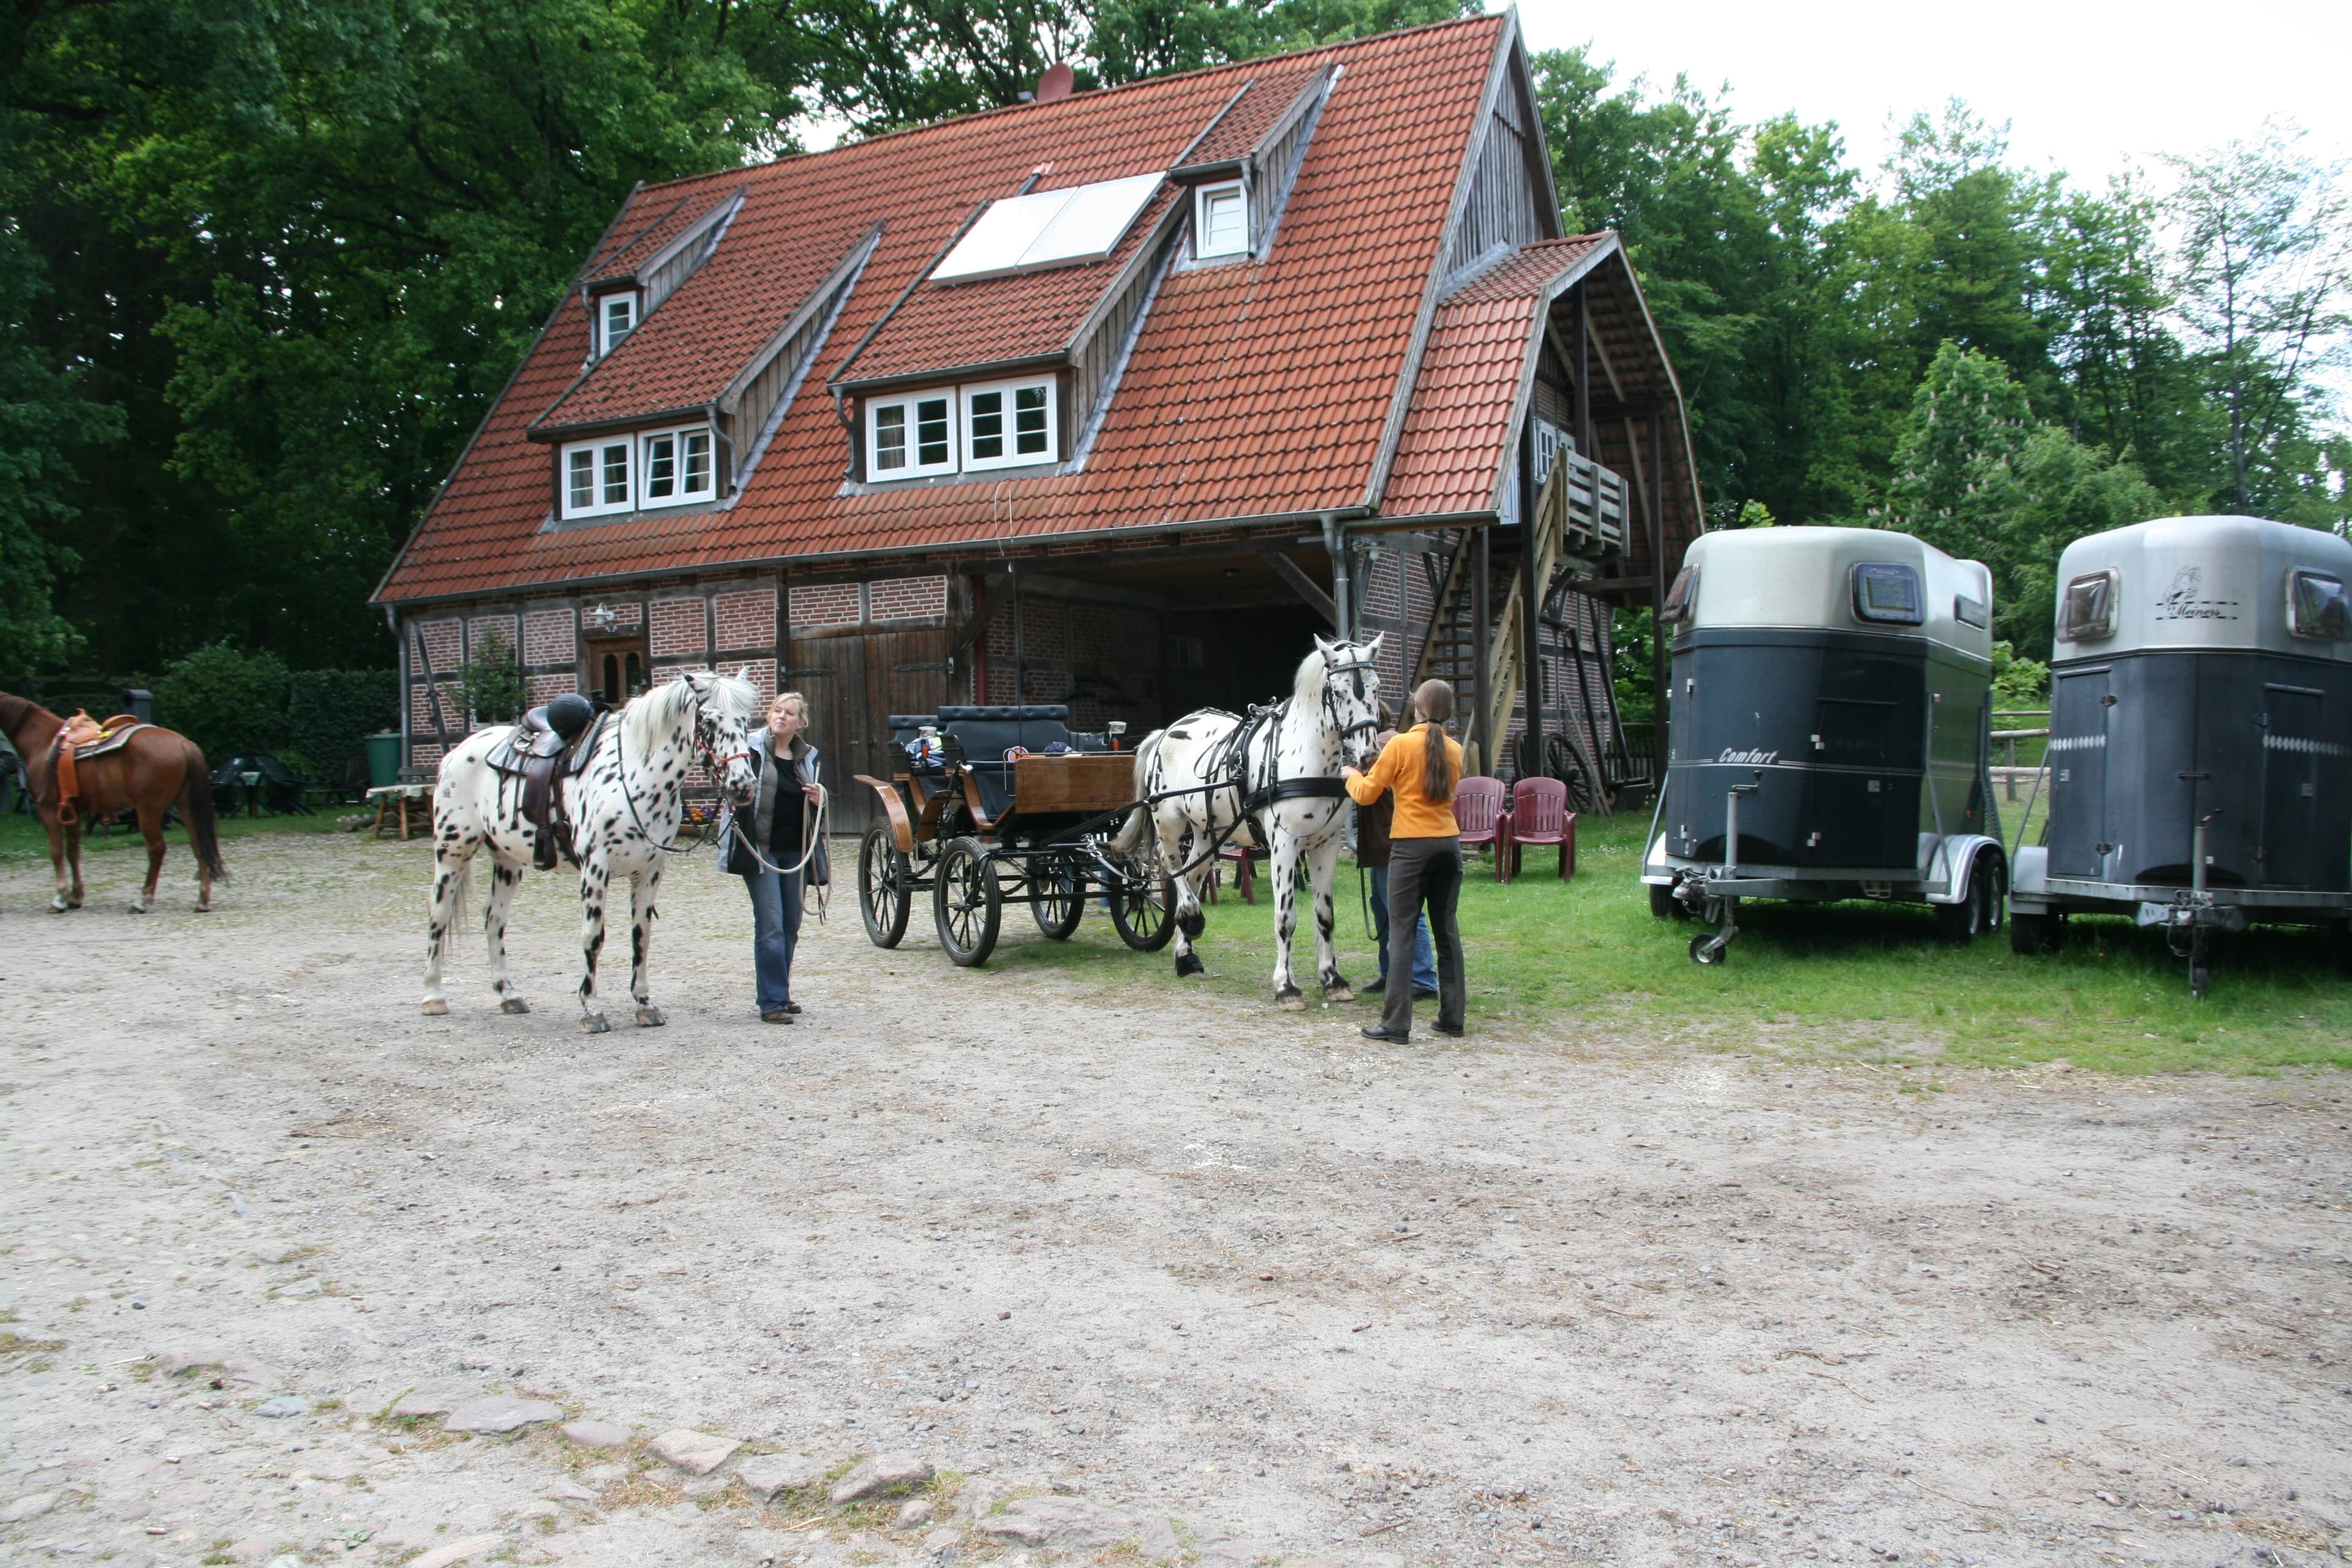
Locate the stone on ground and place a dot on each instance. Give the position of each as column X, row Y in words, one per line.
column 977, row 1495
column 913, row 1514
column 500, row 1413
column 882, row 1473
column 765, row 1475
column 30, row 1506
column 285, row 1405
column 696, row 1453
column 458, row 1551
column 435, row 1396
column 1159, row 1539
column 1060, row 1524
column 595, row 1434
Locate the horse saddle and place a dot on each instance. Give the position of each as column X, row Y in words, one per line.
column 82, row 739
column 551, row 743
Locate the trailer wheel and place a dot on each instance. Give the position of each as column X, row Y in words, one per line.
column 882, row 879
column 2030, row 934
column 1662, row 902
column 1977, row 912
column 967, row 906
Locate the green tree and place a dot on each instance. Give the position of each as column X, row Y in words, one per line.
column 225, row 699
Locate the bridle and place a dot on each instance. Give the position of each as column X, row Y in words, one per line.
column 702, row 720
column 1356, row 668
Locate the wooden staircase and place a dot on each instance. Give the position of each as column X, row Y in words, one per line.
column 1581, row 513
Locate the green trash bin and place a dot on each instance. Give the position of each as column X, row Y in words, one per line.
column 383, row 759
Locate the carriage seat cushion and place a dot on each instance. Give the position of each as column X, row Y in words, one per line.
column 987, row 733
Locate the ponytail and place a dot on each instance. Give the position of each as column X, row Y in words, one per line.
column 1433, row 701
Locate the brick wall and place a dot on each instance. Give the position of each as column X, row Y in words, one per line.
column 1102, row 659
column 482, row 631
column 832, row 605
column 745, row 620
column 445, row 640
column 538, row 688
column 420, row 708
column 678, row 628
column 907, row 598
column 550, row 636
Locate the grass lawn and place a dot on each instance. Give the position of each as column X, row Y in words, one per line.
column 1859, row 979
column 23, row 838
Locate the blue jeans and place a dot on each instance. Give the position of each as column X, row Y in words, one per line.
column 1424, row 956
column 775, row 932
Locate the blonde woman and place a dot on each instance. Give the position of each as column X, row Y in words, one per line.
column 765, row 845
column 1422, row 766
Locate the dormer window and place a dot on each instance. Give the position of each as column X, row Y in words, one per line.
column 1220, row 220
column 677, row 467
column 961, row 429
column 616, row 317
column 906, row 437
column 597, row 477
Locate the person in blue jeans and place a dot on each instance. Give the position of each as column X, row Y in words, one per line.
column 765, row 845
column 1373, row 854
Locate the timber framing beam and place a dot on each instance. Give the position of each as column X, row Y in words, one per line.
column 995, row 593
column 1290, row 571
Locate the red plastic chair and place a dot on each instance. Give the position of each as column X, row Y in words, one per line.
column 1244, row 877
column 1539, row 815
column 1485, row 820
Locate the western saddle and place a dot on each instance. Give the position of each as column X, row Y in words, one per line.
column 550, row 744
column 83, row 737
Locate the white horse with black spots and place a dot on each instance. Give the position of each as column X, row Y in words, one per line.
column 625, row 808
column 1275, row 777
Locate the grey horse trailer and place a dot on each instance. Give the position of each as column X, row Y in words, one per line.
column 1829, row 731
column 2200, row 734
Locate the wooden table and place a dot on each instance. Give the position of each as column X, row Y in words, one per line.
column 392, row 807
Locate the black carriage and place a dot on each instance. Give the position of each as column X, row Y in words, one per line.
column 999, row 805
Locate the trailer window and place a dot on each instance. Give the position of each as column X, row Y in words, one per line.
column 1887, row 593
column 1971, row 612
column 2089, row 612
column 1682, row 597
column 2315, row 606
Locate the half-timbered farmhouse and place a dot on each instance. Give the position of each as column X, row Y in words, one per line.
column 1111, row 399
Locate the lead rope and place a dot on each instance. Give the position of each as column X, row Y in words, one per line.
column 816, row 836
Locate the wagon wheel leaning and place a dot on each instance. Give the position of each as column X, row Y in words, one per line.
column 1059, row 890
column 883, row 877
column 1143, row 917
column 967, row 906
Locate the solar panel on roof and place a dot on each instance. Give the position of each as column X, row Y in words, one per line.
column 1074, row 225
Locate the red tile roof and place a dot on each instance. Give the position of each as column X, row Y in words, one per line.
column 1261, row 105
column 1253, row 390
column 1450, row 459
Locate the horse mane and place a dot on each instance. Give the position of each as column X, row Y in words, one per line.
column 648, row 718
column 1307, row 689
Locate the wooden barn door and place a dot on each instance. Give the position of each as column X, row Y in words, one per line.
column 832, row 672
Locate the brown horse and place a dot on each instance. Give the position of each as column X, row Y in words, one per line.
column 152, row 771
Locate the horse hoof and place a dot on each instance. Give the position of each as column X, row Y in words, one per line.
column 204, row 909
column 137, row 908
column 650, row 1018
column 434, row 1007
column 595, row 1023
column 1337, row 994
column 1290, row 1001
column 59, row 906
column 1189, row 964
column 514, row 1005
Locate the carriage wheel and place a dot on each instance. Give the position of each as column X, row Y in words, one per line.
column 1145, row 921
column 1060, row 896
column 967, row 906
column 882, row 880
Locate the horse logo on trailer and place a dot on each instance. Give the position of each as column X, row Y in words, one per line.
column 2181, row 602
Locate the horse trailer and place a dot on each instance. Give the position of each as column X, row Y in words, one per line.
column 2200, row 734
column 1830, row 732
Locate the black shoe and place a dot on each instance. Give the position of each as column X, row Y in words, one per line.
column 1374, row 1032
column 1451, row 1031
column 1374, row 989
column 777, row 1015
column 1422, row 994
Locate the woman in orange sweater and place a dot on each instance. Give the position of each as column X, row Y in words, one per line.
column 1421, row 766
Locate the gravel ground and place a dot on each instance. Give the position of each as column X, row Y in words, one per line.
column 1251, row 1289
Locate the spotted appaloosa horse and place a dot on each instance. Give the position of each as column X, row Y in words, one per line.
column 1280, row 774
column 625, row 807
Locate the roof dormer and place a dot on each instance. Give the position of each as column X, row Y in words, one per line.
column 1239, row 171
column 629, row 280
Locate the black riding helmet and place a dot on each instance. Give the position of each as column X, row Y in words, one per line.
column 568, row 714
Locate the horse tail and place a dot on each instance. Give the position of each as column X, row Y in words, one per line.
column 1147, row 765
column 196, row 810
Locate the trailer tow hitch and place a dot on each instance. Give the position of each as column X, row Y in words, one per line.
column 1708, row 947
column 2193, row 915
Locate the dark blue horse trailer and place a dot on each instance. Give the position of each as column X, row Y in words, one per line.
column 1829, row 731
column 2200, row 734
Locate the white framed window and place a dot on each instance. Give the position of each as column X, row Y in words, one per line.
column 1009, row 423
column 1220, row 220
column 616, row 318
column 677, row 467
column 910, row 436
column 598, row 476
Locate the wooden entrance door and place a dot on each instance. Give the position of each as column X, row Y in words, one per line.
column 617, row 667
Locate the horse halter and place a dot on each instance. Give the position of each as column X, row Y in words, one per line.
column 1355, row 667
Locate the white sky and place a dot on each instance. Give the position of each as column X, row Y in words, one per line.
column 2090, row 88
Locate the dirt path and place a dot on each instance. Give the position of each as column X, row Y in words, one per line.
column 1266, row 1293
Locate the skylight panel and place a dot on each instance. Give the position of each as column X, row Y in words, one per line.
column 1074, row 225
